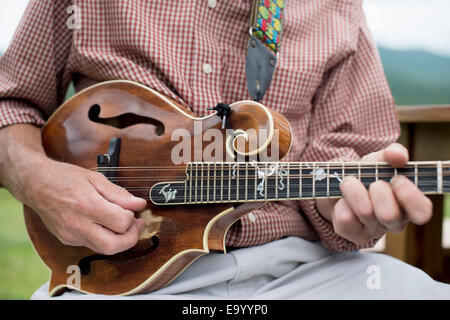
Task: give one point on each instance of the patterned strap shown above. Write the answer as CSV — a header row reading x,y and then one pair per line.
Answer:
x,y
266,22
263,46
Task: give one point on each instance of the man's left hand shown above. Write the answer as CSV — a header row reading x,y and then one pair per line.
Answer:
x,y
362,215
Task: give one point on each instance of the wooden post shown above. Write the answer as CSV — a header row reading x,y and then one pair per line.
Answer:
x,y
426,134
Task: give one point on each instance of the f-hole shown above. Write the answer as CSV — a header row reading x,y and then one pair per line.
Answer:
x,y
143,248
124,120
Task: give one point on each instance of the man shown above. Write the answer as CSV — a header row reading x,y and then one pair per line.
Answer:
x,y
329,83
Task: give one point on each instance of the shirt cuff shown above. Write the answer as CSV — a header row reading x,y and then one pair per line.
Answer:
x,y
14,111
324,228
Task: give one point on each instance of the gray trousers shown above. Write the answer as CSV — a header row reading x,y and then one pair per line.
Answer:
x,y
291,268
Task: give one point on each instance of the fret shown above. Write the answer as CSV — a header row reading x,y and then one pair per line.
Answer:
x,y
218,182
446,177
256,181
221,183
237,166
190,183
215,182
185,191
300,175
416,178
196,182
251,182
359,171
229,182
207,184
376,171
234,191
328,179
201,183
314,180
246,181
288,177
276,183
439,177
266,180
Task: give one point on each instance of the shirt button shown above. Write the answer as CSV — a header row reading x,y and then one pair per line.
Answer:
x,y
212,3
251,217
207,68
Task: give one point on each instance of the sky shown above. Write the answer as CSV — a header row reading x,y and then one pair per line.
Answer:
x,y
395,24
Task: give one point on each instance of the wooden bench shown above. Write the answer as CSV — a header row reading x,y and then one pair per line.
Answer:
x,y
426,134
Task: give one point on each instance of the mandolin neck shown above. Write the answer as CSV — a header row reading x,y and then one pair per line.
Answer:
x,y
214,182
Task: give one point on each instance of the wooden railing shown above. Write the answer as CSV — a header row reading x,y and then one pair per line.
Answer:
x,y
426,134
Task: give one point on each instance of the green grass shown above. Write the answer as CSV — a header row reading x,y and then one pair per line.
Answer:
x,y
21,269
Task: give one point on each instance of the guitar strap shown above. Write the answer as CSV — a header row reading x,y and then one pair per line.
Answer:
x,y
265,30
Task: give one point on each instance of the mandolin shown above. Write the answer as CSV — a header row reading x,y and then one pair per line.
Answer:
x,y
199,175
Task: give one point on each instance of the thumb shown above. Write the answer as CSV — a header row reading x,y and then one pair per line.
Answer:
x,y
140,224
117,194
395,154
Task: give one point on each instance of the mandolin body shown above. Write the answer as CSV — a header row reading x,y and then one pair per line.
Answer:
x,y
144,120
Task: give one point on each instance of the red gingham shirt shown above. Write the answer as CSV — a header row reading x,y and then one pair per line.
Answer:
x,y
328,82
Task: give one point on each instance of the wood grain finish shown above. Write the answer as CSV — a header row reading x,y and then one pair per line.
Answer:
x,y
419,114
183,233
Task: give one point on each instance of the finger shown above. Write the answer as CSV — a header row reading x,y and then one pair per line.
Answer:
x,y
395,154
346,224
357,197
107,242
112,216
417,206
385,206
116,194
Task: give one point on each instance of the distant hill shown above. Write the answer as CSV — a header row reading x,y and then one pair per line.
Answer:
x,y
417,77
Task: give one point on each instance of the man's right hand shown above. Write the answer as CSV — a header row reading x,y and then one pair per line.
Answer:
x,y
80,207
83,208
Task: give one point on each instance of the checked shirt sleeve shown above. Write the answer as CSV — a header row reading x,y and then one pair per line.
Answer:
x,y
32,70
353,115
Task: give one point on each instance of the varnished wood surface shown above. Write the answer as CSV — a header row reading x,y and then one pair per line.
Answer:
x,y
418,114
70,136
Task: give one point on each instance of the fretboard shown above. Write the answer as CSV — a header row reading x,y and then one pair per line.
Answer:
x,y
210,182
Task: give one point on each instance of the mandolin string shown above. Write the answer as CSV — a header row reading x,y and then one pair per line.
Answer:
x,y
284,165
424,184
251,172
251,178
253,168
294,175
